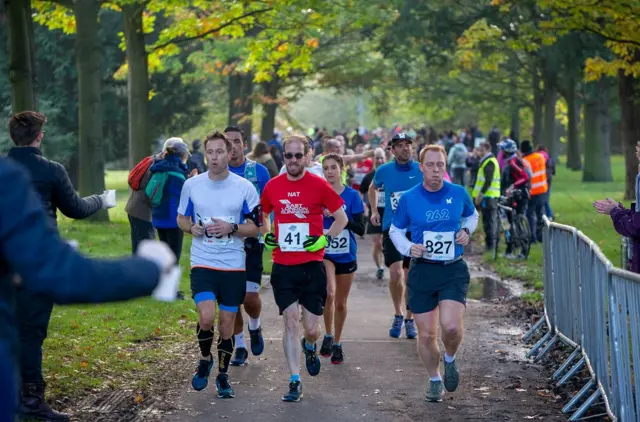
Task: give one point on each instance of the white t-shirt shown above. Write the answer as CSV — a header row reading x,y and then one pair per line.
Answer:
x,y
229,200
316,168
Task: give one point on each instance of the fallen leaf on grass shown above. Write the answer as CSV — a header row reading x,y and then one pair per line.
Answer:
x,y
139,398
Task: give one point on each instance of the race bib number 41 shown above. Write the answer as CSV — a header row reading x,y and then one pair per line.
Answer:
x,y
394,197
292,236
440,245
211,240
339,244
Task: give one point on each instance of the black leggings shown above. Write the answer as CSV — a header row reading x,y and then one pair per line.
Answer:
x,y
173,238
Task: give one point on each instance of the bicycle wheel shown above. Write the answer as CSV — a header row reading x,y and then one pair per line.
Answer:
x,y
524,235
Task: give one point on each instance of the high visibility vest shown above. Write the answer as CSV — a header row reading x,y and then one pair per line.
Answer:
x,y
539,169
494,187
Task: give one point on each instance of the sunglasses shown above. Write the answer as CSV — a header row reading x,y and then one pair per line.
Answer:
x,y
290,155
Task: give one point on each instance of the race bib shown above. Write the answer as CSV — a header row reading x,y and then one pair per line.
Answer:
x,y
358,178
339,244
394,197
381,199
291,236
440,245
211,240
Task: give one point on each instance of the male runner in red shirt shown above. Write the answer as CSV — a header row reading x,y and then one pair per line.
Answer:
x,y
298,199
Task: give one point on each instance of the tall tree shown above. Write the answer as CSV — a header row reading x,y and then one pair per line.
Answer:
x,y
597,132
21,62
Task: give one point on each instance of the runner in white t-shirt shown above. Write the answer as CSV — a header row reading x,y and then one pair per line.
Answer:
x,y
220,209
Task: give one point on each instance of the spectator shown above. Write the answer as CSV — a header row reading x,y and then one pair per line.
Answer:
x,y
473,164
275,149
196,161
261,154
538,191
551,171
494,139
457,162
486,193
168,174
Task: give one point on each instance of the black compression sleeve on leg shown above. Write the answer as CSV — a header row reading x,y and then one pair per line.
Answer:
x,y
205,340
225,350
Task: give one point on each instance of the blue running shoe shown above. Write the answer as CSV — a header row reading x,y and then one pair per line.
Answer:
x,y
240,359
200,379
410,329
311,359
451,376
224,388
396,328
295,392
257,342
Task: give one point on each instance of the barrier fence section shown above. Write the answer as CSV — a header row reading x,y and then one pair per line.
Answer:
x,y
593,308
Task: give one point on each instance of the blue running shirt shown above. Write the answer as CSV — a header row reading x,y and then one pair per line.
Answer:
x,y
434,218
343,248
396,179
262,174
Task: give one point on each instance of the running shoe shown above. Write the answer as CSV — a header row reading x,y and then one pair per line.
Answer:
x,y
200,379
240,359
337,357
224,388
380,274
435,392
257,342
410,329
311,359
396,328
451,376
295,392
325,350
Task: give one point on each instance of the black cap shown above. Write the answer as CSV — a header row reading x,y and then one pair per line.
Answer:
x,y
399,137
526,147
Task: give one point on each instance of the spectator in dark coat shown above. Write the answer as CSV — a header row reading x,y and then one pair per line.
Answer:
x,y
33,258
56,191
261,154
196,161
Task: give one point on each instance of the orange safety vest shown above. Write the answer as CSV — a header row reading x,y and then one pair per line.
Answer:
x,y
539,169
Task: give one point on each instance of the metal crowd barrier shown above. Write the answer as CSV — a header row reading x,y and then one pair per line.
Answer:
x,y
593,308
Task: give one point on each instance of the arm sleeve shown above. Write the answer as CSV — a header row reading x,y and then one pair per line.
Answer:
x,y
47,265
399,238
488,177
67,200
358,223
469,214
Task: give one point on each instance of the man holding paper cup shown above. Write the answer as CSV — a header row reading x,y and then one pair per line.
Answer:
x,y
56,191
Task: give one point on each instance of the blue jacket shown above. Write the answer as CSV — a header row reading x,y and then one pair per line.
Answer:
x,y
166,215
34,257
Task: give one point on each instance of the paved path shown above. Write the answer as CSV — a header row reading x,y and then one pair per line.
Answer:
x,y
382,379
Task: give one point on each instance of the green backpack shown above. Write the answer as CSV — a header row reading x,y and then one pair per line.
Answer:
x,y
155,187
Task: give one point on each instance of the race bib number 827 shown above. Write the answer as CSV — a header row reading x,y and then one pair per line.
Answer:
x,y
440,245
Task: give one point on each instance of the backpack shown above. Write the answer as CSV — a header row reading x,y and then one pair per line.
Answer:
x,y
138,172
155,187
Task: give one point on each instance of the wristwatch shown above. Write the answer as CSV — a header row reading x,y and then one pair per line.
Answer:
x,y
467,230
234,228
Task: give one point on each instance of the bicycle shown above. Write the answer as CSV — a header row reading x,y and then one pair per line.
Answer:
x,y
515,227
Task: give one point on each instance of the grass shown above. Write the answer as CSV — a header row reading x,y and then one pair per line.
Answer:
x,y
96,347
571,201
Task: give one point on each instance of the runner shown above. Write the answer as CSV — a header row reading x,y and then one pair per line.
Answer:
x,y
362,168
298,276
312,167
396,178
440,217
340,259
258,175
372,229
219,209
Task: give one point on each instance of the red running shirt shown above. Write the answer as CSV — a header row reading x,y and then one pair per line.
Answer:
x,y
363,168
297,207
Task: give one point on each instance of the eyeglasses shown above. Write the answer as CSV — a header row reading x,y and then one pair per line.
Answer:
x,y
290,155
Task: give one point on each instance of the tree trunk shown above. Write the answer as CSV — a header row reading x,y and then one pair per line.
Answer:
x,y
91,168
138,84
21,70
246,122
574,158
537,110
515,109
597,126
241,103
269,108
550,95
629,92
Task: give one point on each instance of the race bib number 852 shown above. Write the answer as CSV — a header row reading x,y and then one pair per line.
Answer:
x,y
339,244
292,236
440,245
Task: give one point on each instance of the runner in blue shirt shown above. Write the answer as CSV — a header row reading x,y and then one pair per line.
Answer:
x,y
340,258
395,177
258,175
440,217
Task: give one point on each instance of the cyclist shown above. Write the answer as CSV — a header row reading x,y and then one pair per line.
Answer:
x,y
514,182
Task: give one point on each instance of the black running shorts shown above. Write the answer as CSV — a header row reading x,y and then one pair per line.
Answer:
x,y
303,283
391,254
343,267
253,248
225,287
428,284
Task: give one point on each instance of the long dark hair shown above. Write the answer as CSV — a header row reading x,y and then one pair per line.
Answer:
x,y
260,149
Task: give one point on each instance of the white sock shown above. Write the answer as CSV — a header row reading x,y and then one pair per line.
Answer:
x,y
448,358
436,378
254,324
240,341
